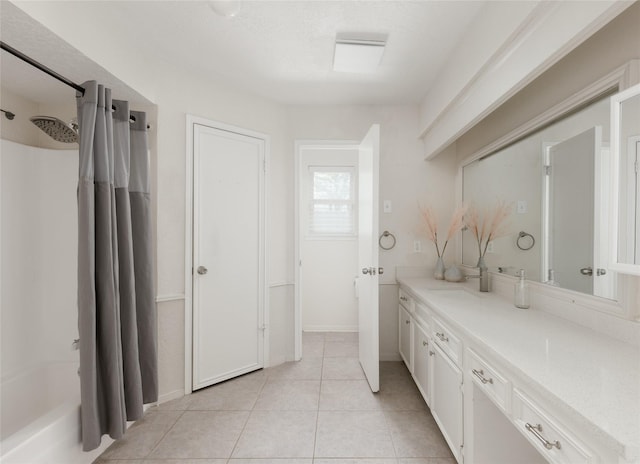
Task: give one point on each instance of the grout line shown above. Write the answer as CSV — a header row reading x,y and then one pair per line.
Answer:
x,y
165,434
250,413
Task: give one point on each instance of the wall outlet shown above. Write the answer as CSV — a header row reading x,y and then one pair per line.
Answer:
x,y
417,246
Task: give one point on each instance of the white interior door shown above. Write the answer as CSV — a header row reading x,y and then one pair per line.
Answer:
x,y
228,254
368,161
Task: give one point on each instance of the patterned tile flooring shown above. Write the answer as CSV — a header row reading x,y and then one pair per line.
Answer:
x,y
319,410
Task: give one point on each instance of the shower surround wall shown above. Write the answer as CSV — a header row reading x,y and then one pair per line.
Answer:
x,y
38,304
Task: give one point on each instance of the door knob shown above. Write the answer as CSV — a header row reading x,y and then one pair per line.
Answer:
x,y
202,270
365,270
601,272
586,271
369,270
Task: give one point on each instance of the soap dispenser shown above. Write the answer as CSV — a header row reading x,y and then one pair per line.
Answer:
x,y
521,293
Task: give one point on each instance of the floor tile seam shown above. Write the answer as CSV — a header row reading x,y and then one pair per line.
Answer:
x,y
388,427
244,426
164,435
315,435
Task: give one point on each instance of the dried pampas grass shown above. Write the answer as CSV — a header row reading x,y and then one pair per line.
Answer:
x,y
431,225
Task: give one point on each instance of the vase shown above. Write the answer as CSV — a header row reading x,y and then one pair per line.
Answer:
x,y
453,274
438,274
484,274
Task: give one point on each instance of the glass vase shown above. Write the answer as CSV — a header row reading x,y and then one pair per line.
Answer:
x,y
438,274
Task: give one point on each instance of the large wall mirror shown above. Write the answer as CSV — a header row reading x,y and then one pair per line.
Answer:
x,y
557,180
625,129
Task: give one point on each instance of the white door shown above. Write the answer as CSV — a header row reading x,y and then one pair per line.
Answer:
x,y
368,322
228,254
571,210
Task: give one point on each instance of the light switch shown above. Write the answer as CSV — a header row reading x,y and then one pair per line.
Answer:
x,y
387,206
522,206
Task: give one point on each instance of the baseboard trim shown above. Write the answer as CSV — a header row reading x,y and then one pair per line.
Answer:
x,y
174,395
330,328
390,356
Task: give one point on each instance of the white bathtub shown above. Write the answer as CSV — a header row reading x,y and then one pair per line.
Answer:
x,y
41,417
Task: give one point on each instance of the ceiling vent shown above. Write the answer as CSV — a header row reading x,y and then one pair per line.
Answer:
x,y
357,55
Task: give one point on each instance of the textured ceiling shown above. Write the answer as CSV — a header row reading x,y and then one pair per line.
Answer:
x,y
283,50
31,38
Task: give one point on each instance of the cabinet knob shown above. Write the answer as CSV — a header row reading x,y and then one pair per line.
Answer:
x,y
202,270
442,337
431,353
407,321
424,343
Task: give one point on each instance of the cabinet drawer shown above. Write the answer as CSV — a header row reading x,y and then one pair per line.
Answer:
x,y
406,301
449,343
488,379
546,434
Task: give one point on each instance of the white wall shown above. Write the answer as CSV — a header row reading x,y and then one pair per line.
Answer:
x,y
405,179
38,251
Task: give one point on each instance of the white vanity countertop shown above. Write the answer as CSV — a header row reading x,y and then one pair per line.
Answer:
x,y
593,377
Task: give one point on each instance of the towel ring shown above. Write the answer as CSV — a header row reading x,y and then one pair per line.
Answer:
x,y
522,235
385,234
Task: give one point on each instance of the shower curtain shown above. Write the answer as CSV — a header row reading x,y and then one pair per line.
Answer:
x,y
116,295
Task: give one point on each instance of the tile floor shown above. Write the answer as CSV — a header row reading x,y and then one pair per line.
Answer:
x,y
316,411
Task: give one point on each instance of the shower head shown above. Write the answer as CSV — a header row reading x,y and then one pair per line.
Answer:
x,y
58,130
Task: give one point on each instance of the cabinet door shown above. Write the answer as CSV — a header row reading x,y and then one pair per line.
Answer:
x,y
446,399
422,361
404,325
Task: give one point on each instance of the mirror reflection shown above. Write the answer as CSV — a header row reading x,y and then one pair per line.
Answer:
x,y
629,190
557,182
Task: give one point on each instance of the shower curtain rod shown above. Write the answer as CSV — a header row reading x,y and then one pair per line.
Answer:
x,y
41,67
51,72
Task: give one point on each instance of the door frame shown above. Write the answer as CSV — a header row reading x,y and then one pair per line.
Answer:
x,y
299,145
191,122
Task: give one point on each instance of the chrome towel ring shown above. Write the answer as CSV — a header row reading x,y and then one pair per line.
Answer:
x,y
521,236
386,234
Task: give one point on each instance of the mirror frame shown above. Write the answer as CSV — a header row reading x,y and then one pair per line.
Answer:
x,y
626,306
616,102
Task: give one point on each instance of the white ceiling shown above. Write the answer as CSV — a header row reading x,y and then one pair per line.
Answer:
x,y
282,50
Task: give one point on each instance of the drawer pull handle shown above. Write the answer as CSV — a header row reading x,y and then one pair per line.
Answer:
x,y
424,343
480,375
442,337
535,430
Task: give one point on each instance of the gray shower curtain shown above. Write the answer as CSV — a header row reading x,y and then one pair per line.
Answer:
x,y
116,295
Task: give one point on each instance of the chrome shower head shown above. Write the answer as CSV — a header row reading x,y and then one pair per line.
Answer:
x,y
58,130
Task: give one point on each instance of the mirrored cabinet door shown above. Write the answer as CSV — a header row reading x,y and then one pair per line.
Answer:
x,y
625,145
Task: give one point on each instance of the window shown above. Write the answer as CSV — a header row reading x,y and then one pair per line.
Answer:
x,y
332,207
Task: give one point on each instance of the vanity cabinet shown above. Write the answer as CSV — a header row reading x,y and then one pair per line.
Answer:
x,y
422,365
405,311
489,395
446,400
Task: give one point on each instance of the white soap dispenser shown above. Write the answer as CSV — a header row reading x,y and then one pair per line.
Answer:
x,y
521,293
